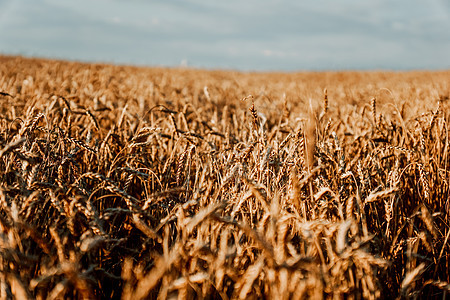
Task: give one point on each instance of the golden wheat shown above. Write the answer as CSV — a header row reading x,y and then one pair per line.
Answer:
x,y
144,183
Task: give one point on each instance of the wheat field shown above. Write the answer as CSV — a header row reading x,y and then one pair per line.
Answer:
x,y
122,182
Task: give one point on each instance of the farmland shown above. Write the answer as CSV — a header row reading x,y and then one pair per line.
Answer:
x,y
142,183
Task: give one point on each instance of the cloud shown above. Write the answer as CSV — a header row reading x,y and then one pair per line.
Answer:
x,y
254,35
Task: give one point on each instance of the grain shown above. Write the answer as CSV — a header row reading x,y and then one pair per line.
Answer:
x,y
146,183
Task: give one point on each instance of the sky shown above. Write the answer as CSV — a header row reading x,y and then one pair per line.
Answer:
x,y
252,35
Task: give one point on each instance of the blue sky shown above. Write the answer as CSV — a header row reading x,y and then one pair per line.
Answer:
x,y
244,35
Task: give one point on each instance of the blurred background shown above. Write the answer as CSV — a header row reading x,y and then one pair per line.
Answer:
x,y
253,35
